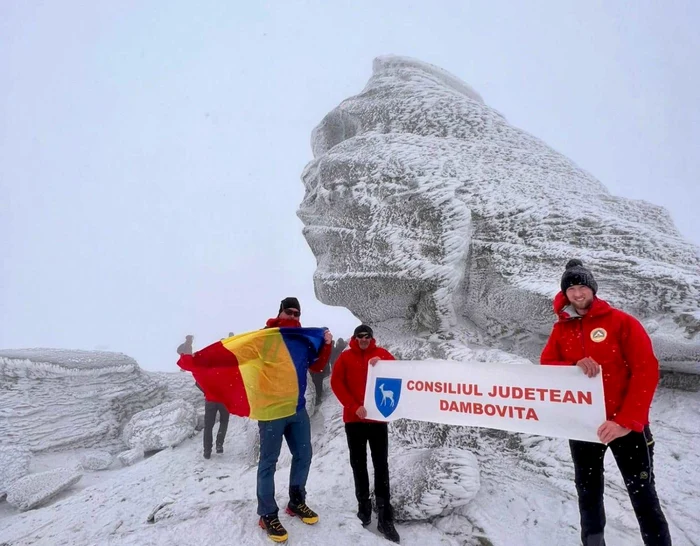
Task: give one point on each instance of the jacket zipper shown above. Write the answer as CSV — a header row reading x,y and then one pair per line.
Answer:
x,y
583,340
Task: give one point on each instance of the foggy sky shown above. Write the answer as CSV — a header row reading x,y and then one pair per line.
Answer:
x,y
150,155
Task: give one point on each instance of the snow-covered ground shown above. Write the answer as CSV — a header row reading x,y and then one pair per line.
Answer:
x,y
527,495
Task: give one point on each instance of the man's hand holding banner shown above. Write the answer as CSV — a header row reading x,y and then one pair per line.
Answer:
x,y
556,401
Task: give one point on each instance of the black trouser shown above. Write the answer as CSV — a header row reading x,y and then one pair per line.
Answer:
x,y
634,454
377,435
210,409
317,378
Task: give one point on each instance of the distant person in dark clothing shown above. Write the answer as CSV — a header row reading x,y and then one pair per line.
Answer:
x,y
339,347
186,347
211,408
318,377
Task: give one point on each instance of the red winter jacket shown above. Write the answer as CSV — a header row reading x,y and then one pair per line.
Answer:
x,y
349,377
618,342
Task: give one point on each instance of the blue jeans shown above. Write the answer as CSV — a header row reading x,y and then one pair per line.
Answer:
x,y
297,431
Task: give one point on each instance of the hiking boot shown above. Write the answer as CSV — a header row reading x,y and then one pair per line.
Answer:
x,y
219,449
364,512
207,454
303,512
385,521
274,529
386,527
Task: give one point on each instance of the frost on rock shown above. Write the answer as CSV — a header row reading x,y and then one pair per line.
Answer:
x,y
432,482
179,385
53,399
37,489
310,395
14,464
96,460
130,456
166,425
434,219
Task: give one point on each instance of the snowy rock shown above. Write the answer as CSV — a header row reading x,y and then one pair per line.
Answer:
x,y
58,399
310,395
430,214
130,456
14,464
180,385
96,460
166,425
37,489
432,482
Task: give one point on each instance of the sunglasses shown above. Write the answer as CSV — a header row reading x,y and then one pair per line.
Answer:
x,y
363,336
292,313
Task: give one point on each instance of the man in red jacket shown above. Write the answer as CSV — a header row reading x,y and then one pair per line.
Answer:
x,y
596,337
348,381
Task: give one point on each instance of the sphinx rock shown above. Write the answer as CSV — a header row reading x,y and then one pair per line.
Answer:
x,y
430,215
37,489
166,425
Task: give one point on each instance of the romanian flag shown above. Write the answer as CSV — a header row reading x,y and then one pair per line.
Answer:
x,y
260,374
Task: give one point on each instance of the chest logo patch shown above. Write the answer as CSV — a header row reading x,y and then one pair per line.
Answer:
x,y
598,335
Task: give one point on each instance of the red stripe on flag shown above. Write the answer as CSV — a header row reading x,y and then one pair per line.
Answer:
x,y
216,370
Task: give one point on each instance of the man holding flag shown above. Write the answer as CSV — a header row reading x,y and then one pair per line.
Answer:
x,y
262,375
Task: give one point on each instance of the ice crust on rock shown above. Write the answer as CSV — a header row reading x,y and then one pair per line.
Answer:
x,y
96,460
432,482
14,464
55,399
166,425
130,456
38,489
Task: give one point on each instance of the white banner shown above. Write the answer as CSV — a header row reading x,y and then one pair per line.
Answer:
x,y
558,401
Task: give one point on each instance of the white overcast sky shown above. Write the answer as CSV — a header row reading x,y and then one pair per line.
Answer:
x,y
150,152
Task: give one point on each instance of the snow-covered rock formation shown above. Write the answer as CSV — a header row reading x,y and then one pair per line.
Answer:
x,y
433,482
429,213
166,425
14,464
58,399
37,489
96,460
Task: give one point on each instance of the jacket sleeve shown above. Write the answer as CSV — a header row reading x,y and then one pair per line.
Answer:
x,y
323,356
339,386
644,376
385,355
551,356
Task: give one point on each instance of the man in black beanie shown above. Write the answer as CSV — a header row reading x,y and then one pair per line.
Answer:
x,y
593,335
296,430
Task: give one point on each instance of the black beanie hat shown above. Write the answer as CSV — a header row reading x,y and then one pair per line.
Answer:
x,y
577,274
289,303
363,328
